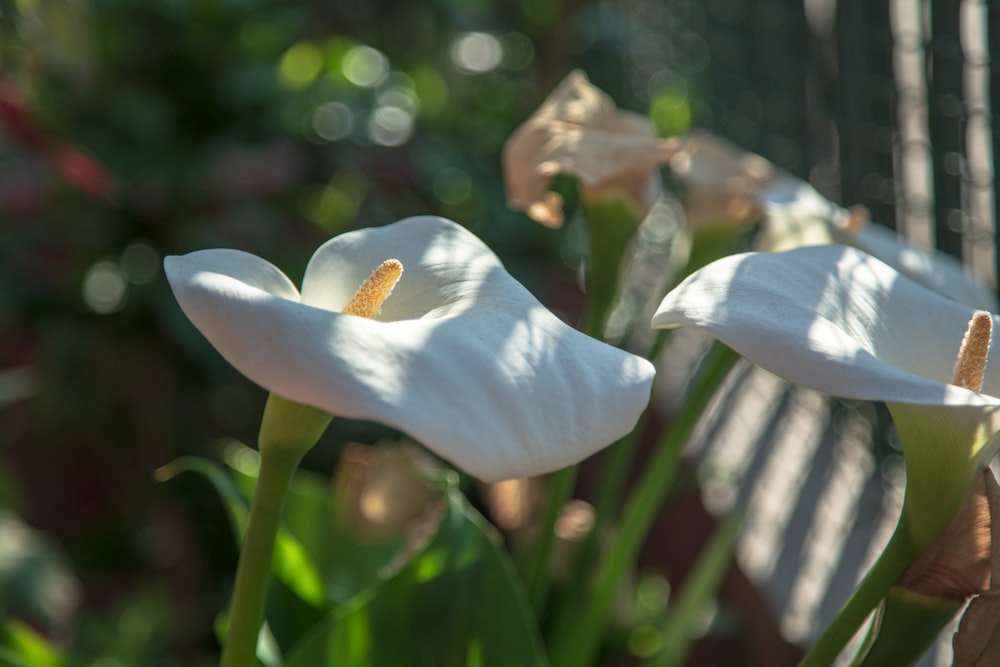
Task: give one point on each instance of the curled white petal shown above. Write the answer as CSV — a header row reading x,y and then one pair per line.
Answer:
x,y
462,357
835,319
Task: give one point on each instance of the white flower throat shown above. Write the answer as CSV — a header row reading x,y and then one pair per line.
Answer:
x,y
368,300
970,367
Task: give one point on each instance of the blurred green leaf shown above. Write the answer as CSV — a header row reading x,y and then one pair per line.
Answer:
x,y
670,110
611,224
348,565
21,646
699,590
292,564
458,602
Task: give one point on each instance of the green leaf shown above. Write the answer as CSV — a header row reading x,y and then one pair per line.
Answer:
x,y
21,646
458,602
611,223
292,564
297,598
347,566
700,588
906,626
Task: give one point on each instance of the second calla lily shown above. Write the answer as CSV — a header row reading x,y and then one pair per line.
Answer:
x,y
837,320
840,321
462,357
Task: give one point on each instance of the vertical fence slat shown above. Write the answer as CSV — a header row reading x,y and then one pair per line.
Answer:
x,y
946,124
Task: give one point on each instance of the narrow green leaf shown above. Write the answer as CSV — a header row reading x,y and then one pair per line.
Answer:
x,y
21,645
700,588
611,223
292,565
347,566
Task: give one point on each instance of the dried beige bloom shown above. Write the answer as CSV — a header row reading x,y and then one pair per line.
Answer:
x,y
578,131
722,183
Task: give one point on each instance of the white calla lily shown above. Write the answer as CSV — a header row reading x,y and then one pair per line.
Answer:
x,y
840,321
462,357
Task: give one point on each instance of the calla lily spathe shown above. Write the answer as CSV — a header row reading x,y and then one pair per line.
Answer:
x,y
840,321
462,357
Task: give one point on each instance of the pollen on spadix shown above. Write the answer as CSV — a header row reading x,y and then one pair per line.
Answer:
x,y
970,367
368,300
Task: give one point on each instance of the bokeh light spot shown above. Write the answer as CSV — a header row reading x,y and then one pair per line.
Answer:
x,y
104,287
451,186
431,89
365,67
139,263
261,39
300,66
399,92
645,641
518,51
390,126
333,121
476,52
333,207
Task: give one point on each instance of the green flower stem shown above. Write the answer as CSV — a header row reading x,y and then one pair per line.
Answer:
x,y
611,224
287,431
560,489
891,563
577,639
686,612
253,573
606,503
609,492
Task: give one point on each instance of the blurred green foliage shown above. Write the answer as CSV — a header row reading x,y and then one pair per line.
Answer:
x,y
130,130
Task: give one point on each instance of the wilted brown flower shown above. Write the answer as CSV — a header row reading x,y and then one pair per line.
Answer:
x,y
578,131
977,642
957,564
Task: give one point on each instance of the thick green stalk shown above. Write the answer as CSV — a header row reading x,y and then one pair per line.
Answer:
x,y
577,639
287,431
560,490
891,563
253,573
611,224
609,492
908,625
